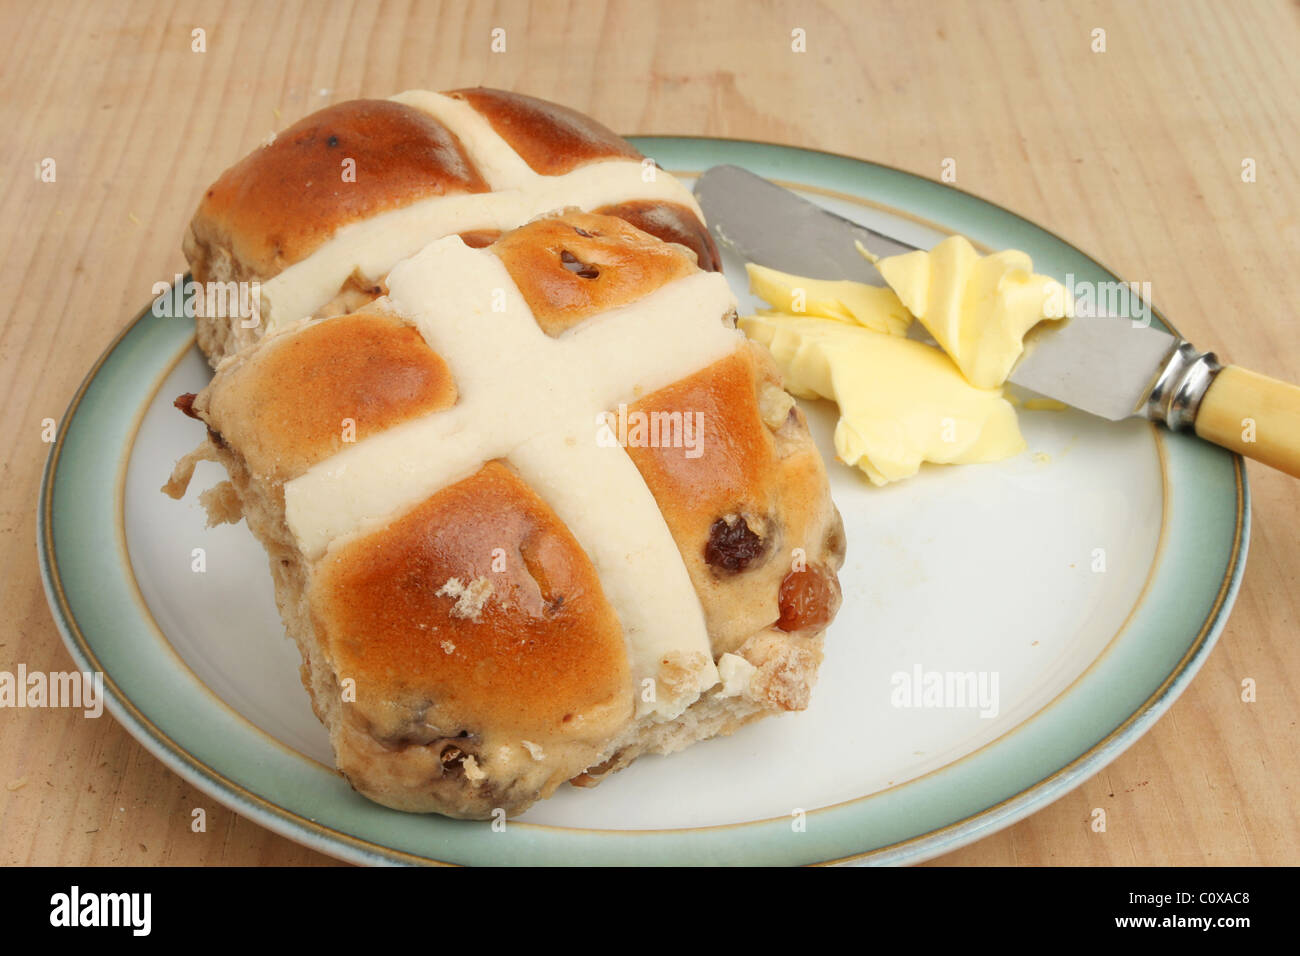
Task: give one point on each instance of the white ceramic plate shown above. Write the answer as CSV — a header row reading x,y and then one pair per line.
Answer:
x,y
1088,577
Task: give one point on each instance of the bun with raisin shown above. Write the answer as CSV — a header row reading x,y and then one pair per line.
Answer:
x,y
540,505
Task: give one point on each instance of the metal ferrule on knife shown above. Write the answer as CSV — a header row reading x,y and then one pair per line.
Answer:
x,y
1175,397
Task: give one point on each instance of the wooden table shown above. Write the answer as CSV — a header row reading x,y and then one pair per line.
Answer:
x,y
1134,154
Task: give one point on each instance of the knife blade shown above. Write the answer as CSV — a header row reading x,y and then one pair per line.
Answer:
x,y
741,208
1105,365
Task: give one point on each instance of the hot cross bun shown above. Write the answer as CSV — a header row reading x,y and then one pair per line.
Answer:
x,y
537,510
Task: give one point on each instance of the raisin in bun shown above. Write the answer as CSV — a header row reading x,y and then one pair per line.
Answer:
x,y
319,214
541,508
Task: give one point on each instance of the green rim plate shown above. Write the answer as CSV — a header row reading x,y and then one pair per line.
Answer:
x,y
106,627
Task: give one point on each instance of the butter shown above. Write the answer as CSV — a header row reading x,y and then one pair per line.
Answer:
x,y
978,308
871,306
1044,405
901,402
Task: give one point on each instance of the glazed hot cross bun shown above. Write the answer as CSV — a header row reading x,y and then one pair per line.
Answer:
x,y
319,214
539,509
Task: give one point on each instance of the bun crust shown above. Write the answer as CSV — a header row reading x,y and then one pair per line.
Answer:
x,y
569,269
671,222
295,402
279,203
535,654
550,138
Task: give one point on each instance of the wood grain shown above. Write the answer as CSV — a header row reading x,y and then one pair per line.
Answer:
x,y
1134,154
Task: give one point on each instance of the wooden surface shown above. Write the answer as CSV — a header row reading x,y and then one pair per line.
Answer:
x,y
1134,154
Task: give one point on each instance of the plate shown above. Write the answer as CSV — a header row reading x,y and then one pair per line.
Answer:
x,y
1054,605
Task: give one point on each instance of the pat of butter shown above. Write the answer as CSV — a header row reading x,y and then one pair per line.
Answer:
x,y
1044,405
874,307
901,402
978,308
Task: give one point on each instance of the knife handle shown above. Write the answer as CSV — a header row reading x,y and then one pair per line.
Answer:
x,y
1253,415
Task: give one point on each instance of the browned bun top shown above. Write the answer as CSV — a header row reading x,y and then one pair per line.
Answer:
x,y
480,238
734,470
289,405
671,222
576,265
535,649
550,138
284,199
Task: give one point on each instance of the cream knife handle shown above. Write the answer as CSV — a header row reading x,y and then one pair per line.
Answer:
x,y
1253,415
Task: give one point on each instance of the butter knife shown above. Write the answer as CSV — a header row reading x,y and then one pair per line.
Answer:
x,y
1104,365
